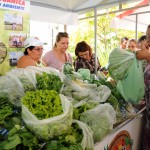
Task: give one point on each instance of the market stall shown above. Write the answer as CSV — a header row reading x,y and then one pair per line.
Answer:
x,y
83,93
71,110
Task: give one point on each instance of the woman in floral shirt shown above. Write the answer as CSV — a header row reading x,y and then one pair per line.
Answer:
x,y
85,58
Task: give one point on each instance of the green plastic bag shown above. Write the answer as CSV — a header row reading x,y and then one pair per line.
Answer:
x,y
119,63
85,73
132,86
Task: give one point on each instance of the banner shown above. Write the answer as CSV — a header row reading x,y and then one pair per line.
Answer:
x,y
15,27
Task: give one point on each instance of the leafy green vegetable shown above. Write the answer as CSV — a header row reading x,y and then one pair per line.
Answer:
x,y
79,110
6,109
46,113
70,73
67,68
49,82
115,99
20,138
70,141
43,103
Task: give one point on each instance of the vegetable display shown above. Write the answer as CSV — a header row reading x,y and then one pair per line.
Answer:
x,y
41,109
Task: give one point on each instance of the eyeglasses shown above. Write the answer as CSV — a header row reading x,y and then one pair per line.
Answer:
x,y
38,49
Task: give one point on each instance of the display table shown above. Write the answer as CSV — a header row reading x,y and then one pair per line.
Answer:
x,y
126,136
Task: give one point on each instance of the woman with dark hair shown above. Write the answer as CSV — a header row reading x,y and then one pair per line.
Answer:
x,y
123,42
32,54
57,57
85,58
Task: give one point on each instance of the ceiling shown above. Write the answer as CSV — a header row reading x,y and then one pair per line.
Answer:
x,y
128,22
78,5
67,11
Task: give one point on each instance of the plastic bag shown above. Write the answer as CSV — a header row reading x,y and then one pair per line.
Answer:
x,y
101,94
100,119
80,90
132,87
40,70
119,62
12,88
27,77
87,142
85,73
51,127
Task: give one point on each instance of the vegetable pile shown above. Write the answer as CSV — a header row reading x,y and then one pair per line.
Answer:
x,y
55,111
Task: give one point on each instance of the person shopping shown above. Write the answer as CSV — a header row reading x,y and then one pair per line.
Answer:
x,y
145,54
32,54
85,58
132,45
123,42
58,56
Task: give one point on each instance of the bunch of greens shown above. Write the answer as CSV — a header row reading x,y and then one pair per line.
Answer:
x,y
115,99
6,109
28,85
43,103
67,68
70,141
79,110
49,81
20,139
69,72
46,113
13,134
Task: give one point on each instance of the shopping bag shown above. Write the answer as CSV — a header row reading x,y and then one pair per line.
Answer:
x,y
132,86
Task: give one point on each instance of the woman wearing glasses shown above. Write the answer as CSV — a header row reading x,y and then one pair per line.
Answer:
x,y
32,54
58,56
85,57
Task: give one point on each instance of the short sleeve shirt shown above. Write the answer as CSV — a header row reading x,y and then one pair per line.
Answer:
x,y
52,61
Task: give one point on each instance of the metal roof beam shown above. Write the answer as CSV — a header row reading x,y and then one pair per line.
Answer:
x,y
100,5
49,6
